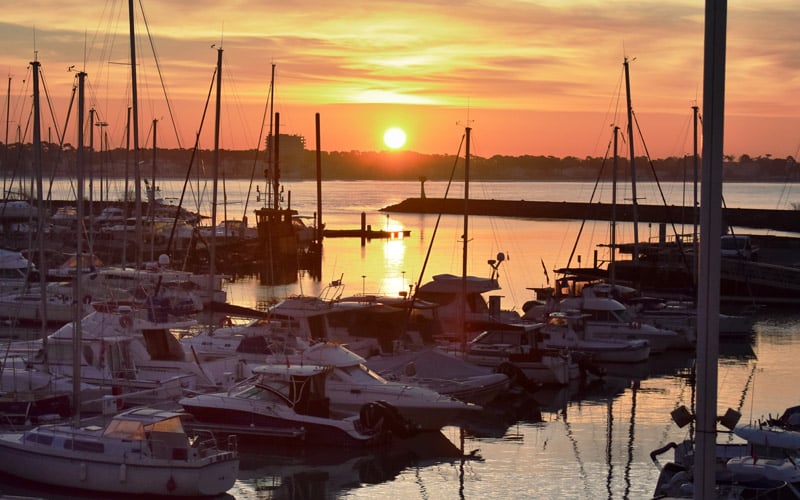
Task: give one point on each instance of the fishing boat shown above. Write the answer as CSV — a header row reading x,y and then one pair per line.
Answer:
x,y
143,451
288,402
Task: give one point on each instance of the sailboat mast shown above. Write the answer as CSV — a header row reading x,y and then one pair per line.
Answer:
x,y
696,179
463,313
612,267
136,167
711,229
37,166
213,250
77,352
634,201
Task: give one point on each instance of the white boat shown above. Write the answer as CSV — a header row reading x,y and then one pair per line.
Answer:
x,y
610,319
350,385
29,306
447,290
142,451
513,350
187,292
566,330
132,356
289,325
14,271
774,449
281,402
444,373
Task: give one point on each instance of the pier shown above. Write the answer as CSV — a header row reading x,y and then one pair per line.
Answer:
x,y
778,220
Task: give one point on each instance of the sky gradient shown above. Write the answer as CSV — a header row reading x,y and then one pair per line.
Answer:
x,y
538,77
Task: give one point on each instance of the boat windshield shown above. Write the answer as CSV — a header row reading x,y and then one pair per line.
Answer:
x,y
260,393
360,373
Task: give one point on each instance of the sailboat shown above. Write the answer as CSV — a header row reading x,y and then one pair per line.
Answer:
x,y
142,451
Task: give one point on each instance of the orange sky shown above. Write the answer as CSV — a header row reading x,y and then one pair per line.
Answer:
x,y
541,77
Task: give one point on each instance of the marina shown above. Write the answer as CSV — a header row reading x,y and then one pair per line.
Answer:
x,y
587,439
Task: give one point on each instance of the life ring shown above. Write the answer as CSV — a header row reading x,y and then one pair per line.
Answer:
x,y
636,325
125,321
225,321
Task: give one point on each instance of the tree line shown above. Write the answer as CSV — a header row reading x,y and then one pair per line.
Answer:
x,y
299,163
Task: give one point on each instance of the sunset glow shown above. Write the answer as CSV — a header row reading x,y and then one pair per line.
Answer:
x,y
530,78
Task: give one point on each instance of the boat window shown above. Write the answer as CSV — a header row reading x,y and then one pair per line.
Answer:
x,y
39,438
91,446
124,429
362,373
259,393
173,425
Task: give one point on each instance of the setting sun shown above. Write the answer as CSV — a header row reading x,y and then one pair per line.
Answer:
x,y
394,138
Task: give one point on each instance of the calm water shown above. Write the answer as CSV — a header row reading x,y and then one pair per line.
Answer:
x,y
578,442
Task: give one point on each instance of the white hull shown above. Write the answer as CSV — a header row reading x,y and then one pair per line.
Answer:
x,y
79,470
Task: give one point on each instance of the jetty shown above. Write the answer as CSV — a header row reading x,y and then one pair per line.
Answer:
x,y
778,220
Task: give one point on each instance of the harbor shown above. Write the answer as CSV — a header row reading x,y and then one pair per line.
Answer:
x,y
604,429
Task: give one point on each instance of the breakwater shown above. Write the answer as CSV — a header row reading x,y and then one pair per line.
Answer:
x,y
778,220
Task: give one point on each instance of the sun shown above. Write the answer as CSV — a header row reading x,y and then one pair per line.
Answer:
x,y
394,138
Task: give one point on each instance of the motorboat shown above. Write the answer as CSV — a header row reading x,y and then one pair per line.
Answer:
x,y
133,353
610,319
350,385
288,326
514,351
447,290
15,270
773,449
143,451
53,306
566,330
289,402
442,372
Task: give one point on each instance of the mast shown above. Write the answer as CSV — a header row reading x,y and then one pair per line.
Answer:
x,y
37,172
212,253
634,201
612,267
695,215
77,352
463,310
136,167
711,229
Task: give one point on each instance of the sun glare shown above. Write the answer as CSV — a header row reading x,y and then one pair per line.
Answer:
x,y
394,138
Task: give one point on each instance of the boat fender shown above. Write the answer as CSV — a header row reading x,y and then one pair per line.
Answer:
x,y
82,472
87,299
514,374
123,473
636,324
171,484
382,416
125,321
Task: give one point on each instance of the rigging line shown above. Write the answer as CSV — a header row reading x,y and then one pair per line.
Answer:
x,y
661,193
438,219
191,162
49,103
160,76
258,149
591,199
72,188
